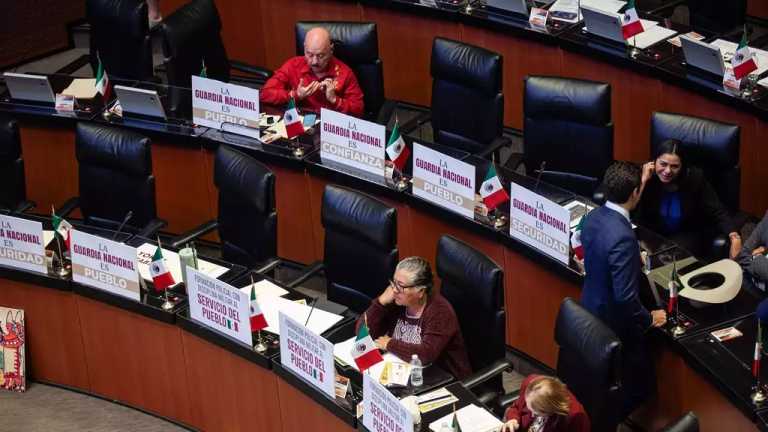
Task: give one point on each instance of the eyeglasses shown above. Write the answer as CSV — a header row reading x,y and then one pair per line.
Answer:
x,y
398,287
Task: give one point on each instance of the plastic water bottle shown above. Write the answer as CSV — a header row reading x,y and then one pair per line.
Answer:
x,y
417,379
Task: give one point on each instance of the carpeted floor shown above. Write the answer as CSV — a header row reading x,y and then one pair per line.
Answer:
x,y
46,408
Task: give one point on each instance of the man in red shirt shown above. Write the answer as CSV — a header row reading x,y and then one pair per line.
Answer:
x,y
317,80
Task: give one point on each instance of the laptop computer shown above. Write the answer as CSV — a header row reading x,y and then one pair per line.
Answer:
x,y
140,102
507,6
602,23
27,87
703,56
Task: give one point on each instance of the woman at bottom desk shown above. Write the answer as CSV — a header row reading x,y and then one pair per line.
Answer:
x,y
545,405
409,318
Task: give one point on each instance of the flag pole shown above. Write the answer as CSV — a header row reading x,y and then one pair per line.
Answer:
x,y
167,304
260,346
678,330
62,272
758,395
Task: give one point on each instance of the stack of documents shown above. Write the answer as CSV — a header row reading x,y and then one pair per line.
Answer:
x,y
435,399
391,371
272,305
471,418
144,257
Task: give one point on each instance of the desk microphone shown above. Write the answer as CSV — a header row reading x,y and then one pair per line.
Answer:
x,y
538,177
314,301
127,217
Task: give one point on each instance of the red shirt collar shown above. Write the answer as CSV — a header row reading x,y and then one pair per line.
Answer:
x,y
333,70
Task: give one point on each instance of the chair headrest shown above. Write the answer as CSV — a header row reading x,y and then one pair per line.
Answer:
x,y
577,330
196,19
469,65
359,215
117,149
568,99
10,144
239,174
708,144
353,42
127,16
462,265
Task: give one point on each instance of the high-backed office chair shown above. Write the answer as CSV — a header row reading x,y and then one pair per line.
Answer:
x,y
474,285
357,45
360,251
717,16
120,37
589,363
192,36
567,126
13,192
711,146
247,220
687,423
115,170
467,102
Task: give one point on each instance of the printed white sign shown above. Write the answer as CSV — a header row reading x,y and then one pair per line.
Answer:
x,y
539,222
382,411
219,306
21,244
351,141
104,264
443,180
307,355
215,103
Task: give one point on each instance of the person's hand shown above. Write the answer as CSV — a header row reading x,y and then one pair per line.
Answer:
x,y
388,296
382,342
658,317
579,264
303,92
510,426
759,251
648,169
330,89
735,244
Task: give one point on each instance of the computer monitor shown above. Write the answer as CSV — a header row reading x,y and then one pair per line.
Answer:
x,y
27,87
602,23
702,55
140,102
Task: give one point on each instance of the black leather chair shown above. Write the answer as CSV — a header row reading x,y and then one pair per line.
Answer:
x,y
247,220
589,363
474,285
717,16
192,35
120,36
567,125
712,146
360,251
115,170
686,423
13,192
357,45
467,102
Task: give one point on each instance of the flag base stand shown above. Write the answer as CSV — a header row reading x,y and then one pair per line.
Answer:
x,y
298,152
260,346
678,330
759,395
168,305
401,184
62,271
499,222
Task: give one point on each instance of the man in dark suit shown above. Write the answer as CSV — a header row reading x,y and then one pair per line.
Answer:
x,y
613,271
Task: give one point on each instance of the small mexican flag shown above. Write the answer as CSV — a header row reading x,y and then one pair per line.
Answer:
x,y
102,82
578,247
630,22
758,350
203,70
674,285
455,423
491,190
397,151
364,351
743,61
293,126
161,276
61,227
258,321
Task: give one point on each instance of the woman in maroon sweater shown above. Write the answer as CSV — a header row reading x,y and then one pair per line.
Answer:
x,y
545,405
407,318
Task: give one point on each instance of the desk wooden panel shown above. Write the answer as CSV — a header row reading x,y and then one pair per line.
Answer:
x,y
135,360
295,230
50,165
227,392
757,8
299,412
54,346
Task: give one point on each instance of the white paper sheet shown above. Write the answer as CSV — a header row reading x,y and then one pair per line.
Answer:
x,y
471,418
264,288
319,322
145,252
81,88
652,35
343,352
47,237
